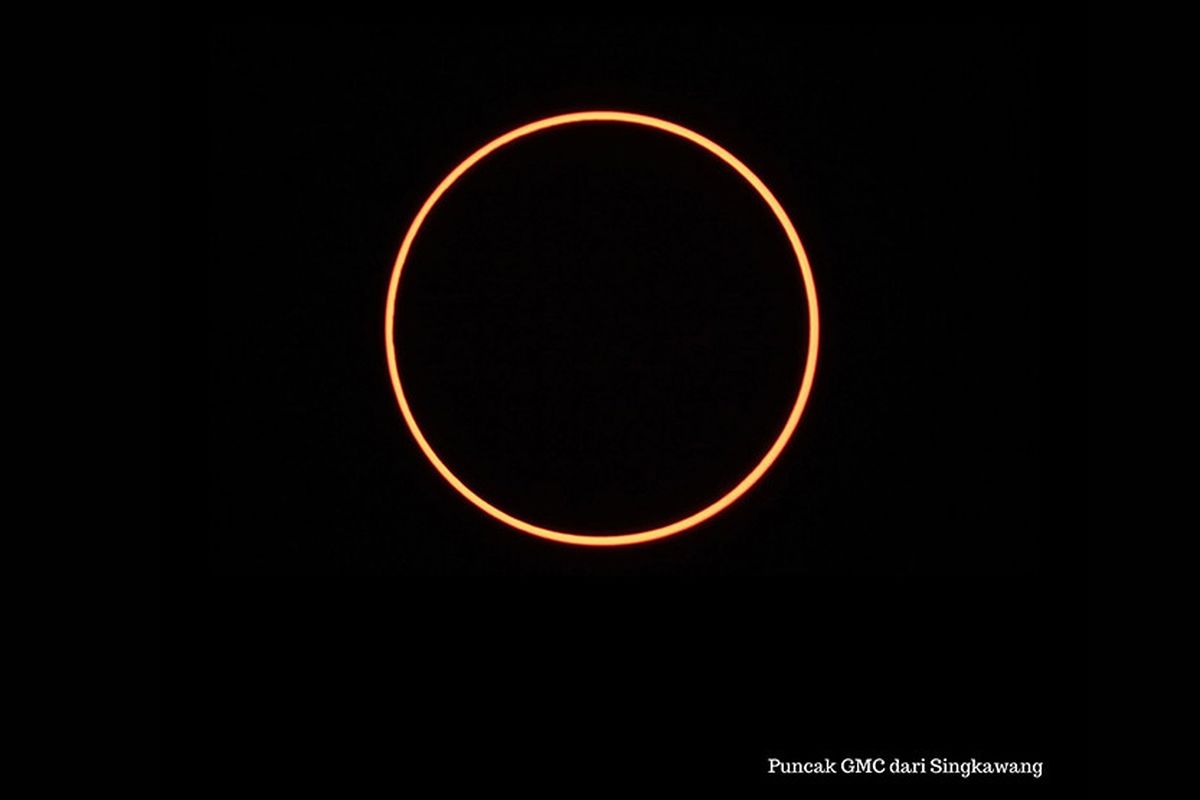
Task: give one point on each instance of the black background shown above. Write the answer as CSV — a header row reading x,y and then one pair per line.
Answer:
x,y
602,330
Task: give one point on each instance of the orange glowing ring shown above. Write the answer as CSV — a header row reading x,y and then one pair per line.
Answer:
x,y
805,384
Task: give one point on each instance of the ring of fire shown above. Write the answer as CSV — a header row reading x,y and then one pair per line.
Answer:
x,y
801,397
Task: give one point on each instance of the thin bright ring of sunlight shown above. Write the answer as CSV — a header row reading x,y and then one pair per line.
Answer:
x,y
806,382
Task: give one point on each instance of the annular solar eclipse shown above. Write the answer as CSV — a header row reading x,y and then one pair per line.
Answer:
x,y
802,393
